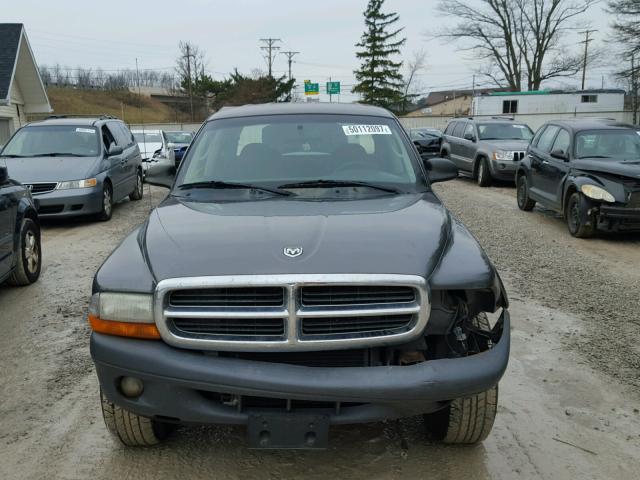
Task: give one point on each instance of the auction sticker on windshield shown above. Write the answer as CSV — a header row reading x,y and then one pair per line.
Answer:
x,y
366,130
85,130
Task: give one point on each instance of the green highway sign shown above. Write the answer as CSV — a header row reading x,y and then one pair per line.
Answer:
x,y
333,88
311,88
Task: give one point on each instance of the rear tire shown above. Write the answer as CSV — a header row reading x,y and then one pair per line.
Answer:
x,y
131,429
138,191
484,174
107,203
29,254
574,216
522,192
465,420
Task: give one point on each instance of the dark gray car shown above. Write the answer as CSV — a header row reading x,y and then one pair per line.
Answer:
x,y
486,149
301,273
76,166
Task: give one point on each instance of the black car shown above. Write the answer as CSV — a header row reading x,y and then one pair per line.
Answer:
x,y
301,273
20,253
586,169
426,140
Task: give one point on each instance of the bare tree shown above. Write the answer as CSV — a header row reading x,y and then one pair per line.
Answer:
x,y
191,61
415,65
521,40
627,23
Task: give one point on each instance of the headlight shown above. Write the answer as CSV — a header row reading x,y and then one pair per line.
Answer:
x,y
597,193
89,182
502,155
123,314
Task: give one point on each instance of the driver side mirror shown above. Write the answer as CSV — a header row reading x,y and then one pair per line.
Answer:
x,y
114,150
560,154
4,175
440,169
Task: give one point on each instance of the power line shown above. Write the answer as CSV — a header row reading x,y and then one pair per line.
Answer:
x,y
290,56
271,49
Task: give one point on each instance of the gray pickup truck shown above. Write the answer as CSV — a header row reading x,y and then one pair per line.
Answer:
x,y
301,273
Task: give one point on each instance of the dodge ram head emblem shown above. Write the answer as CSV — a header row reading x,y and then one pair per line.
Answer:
x,y
293,251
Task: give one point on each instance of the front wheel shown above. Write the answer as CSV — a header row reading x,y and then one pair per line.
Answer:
x,y
29,255
466,420
579,222
131,429
524,201
484,175
107,203
138,191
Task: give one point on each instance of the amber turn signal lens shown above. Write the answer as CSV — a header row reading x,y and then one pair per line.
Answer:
x,y
124,329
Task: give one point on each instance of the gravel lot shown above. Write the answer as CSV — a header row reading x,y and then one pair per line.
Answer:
x,y
568,407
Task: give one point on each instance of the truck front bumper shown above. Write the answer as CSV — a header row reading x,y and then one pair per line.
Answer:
x,y
190,387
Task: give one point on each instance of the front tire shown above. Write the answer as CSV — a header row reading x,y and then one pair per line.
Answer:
x,y
484,174
131,429
138,191
575,217
29,253
107,203
522,191
466,420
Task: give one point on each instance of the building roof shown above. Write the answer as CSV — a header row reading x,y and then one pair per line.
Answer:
x,y
17,64
10,34
435,98
558,92
301,109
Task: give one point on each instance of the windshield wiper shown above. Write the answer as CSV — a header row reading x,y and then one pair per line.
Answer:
x,y
58,154
6,155
337,183
594,156
214,184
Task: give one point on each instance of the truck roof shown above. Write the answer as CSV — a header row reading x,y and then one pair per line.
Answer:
x,y
300,108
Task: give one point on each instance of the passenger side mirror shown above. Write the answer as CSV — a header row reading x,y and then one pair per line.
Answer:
x,y
440,169
470,136
4,175
560,154
114,150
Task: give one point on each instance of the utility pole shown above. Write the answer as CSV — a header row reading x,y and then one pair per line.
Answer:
x,y
188,55
271,49
586,46
290,56
634,89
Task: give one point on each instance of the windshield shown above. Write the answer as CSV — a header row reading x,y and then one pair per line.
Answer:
x,y
179,137
291,149
614,144
54,140
504,131
147,137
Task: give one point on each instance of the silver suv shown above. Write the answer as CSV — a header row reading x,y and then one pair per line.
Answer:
x,y
486,149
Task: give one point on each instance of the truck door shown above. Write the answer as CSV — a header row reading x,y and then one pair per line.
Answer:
x,y
554,171
539,156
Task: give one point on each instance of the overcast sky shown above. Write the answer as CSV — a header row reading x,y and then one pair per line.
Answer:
x,y
111,35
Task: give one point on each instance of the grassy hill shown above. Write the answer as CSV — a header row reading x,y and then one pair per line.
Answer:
x,y
130,107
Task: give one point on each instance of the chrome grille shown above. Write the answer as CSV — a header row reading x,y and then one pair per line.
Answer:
x,y
42,187
291,312
355,295
517,156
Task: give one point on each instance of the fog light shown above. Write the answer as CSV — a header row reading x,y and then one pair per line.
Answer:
x,y
131,387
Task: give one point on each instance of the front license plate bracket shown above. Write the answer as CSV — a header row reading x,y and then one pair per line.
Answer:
x,y
288,430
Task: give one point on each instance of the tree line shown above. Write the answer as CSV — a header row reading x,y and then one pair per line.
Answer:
x,y
79,77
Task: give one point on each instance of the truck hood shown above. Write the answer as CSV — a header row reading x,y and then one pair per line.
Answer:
x,y
404,234
508,145
49,169
629,169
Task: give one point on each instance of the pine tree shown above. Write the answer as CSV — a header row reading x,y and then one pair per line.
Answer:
x,y
379,79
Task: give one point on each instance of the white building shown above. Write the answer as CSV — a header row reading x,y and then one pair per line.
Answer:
x,y
21,88
549,102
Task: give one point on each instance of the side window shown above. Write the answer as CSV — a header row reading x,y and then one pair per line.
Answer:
x,y
450,127
563,140
127,135
457,132
546,139
469,130
107,138
536,137
118,134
